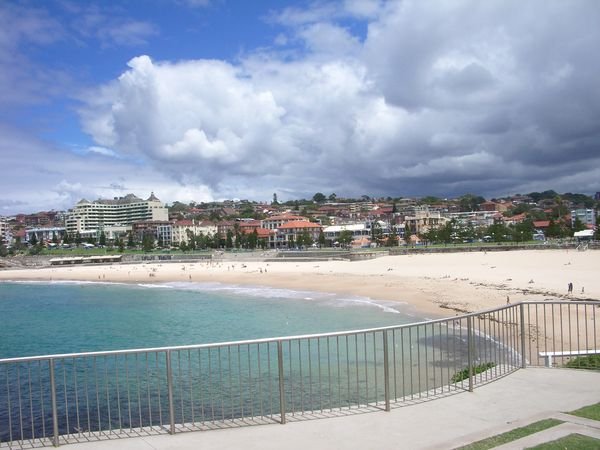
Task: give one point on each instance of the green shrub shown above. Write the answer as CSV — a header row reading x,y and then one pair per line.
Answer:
x,y
585,362
464,374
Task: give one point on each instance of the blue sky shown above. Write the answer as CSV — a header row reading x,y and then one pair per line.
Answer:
x,y
201,100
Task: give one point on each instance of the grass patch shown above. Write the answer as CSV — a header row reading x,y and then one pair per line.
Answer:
x,y
588,412
591,362
572,442
464,374
512,435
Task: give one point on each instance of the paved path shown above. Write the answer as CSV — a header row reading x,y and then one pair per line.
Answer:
x,y
513,401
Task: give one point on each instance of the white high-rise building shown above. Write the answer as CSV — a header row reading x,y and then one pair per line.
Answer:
x,y
90,218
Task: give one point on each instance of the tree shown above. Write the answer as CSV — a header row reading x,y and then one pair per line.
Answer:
x,y
321,238
392,239
191,239
34,240
78,238
121,245
291,243
319,197
332,197
148,242
54,238
66,239
253,239
346,238
130,240
578,225
307,239
274,202
407,233
229,239
102,239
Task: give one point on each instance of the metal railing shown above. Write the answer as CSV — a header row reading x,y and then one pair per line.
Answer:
x,y
57,399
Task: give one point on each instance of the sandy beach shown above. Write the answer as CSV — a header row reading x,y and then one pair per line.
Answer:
x,y
436,285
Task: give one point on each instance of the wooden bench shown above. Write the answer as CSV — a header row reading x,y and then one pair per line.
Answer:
x,y
549,355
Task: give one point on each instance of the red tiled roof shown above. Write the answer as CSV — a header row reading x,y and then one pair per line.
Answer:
x,y
541,223
300,224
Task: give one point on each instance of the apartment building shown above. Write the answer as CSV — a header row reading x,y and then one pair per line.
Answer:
x,y
5,236
90,218
586,216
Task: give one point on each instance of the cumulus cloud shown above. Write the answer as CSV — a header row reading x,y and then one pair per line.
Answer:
x,y
441,98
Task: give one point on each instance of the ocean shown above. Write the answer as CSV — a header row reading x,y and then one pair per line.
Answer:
x,y
41,318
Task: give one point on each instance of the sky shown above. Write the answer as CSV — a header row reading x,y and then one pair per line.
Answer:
x,y
202,100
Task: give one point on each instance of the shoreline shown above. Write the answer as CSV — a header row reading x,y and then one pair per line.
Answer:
x,y
435,285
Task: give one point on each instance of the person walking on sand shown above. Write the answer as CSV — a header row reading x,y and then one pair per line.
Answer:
x,y
570,286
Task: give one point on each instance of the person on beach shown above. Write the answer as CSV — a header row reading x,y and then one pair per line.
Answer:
x,y
570,288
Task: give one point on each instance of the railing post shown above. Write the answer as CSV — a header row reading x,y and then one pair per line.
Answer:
x,y
470,350
54,407
170,393
281,386
386,371
522,314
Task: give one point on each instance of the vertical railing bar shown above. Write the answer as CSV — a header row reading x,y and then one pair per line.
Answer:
x,y
470,350
441,356
148,391
410,356
357,369
31,401
348,370
8,403
545,329
54,405
402,361
107,394
118,391
570,330
281,382
529,331
522,319
395,363
76,396
375,370
366,370
20,402
586,326
169,369
230,381
43,403
250,383
339,373
201,386
158,389
426,362
138,384
210,384
97,385
240,379
433,357
310,395
419,361
553,329
386,371
87,395
221,384
319,378
270,380
260,396
291,383
191,384
64,367
180,383
128,392
577,322
329,372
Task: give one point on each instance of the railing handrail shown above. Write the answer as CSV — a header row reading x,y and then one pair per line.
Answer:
x,y
280,338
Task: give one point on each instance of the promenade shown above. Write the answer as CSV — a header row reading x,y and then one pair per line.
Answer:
x,y
518,399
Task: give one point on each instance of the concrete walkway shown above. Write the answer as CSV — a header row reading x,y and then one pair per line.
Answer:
x,y
513,401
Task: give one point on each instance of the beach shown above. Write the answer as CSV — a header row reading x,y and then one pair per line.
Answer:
x,y
436,285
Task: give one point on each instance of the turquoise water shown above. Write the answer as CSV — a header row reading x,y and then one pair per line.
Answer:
x,y
62,317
